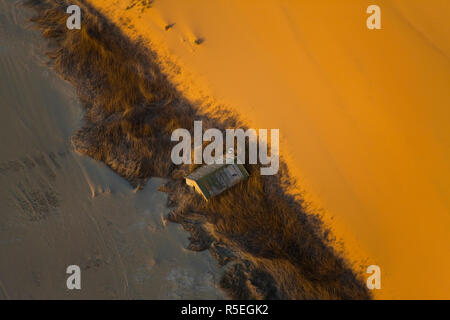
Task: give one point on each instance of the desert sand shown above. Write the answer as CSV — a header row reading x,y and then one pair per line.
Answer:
x,y
58,208
363,114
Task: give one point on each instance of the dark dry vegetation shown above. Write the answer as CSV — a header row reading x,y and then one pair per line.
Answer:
x,y
144,4
269,247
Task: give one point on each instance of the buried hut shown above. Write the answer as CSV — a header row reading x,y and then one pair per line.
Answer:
x,y
210,180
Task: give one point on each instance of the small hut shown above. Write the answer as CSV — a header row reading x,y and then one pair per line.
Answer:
x,y
210,180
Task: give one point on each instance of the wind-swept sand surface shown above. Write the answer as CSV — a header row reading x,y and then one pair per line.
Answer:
x,y
363,115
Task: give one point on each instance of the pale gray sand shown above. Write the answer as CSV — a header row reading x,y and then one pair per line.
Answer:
x,y
58,208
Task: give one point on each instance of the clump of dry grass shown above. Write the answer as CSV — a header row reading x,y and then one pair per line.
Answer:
x,y
270,246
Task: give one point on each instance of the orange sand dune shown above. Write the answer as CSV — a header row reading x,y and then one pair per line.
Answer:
x,y
363,114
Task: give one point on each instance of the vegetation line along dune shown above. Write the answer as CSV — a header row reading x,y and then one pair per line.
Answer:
x,y
269,246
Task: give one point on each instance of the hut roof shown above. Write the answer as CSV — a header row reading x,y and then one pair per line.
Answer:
x,y
216,178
